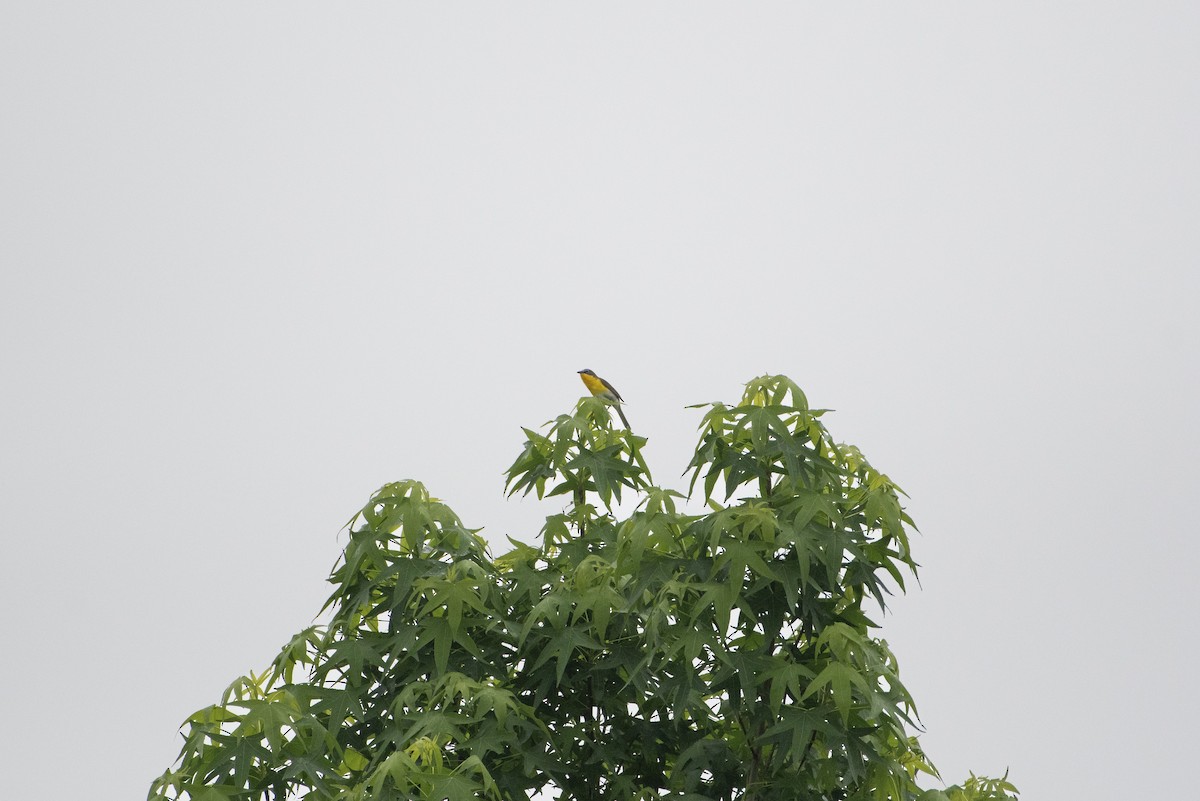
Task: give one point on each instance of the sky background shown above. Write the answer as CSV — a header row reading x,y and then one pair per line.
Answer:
x,y
257,260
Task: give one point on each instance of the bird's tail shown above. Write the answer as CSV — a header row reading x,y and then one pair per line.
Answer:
x,y
622,414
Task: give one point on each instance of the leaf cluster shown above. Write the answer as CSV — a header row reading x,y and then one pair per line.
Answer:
x,y
669,654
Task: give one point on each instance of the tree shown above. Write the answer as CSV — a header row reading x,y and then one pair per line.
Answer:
x,y
724,655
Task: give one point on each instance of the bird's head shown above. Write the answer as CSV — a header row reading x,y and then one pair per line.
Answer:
x,y
586,372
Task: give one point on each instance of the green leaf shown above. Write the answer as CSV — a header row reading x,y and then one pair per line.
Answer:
x,y
840,679
354,760
212,793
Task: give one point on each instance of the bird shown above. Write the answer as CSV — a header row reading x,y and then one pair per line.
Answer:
x,y
602,389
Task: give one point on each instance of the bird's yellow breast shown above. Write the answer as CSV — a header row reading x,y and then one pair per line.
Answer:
x,y
594,384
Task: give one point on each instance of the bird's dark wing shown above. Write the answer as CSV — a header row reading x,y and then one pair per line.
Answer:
x,y
611,389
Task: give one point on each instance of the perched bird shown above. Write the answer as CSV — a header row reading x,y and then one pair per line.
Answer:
x,y
602,389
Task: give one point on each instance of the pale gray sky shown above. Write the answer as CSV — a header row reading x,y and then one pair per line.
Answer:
x,y
258,259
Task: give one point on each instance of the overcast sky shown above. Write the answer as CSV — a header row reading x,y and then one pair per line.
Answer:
x,y
258,259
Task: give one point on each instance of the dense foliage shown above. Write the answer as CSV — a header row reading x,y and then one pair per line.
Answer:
x,y
724,655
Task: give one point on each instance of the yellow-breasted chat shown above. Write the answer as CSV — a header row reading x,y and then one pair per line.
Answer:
x,y
602,389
